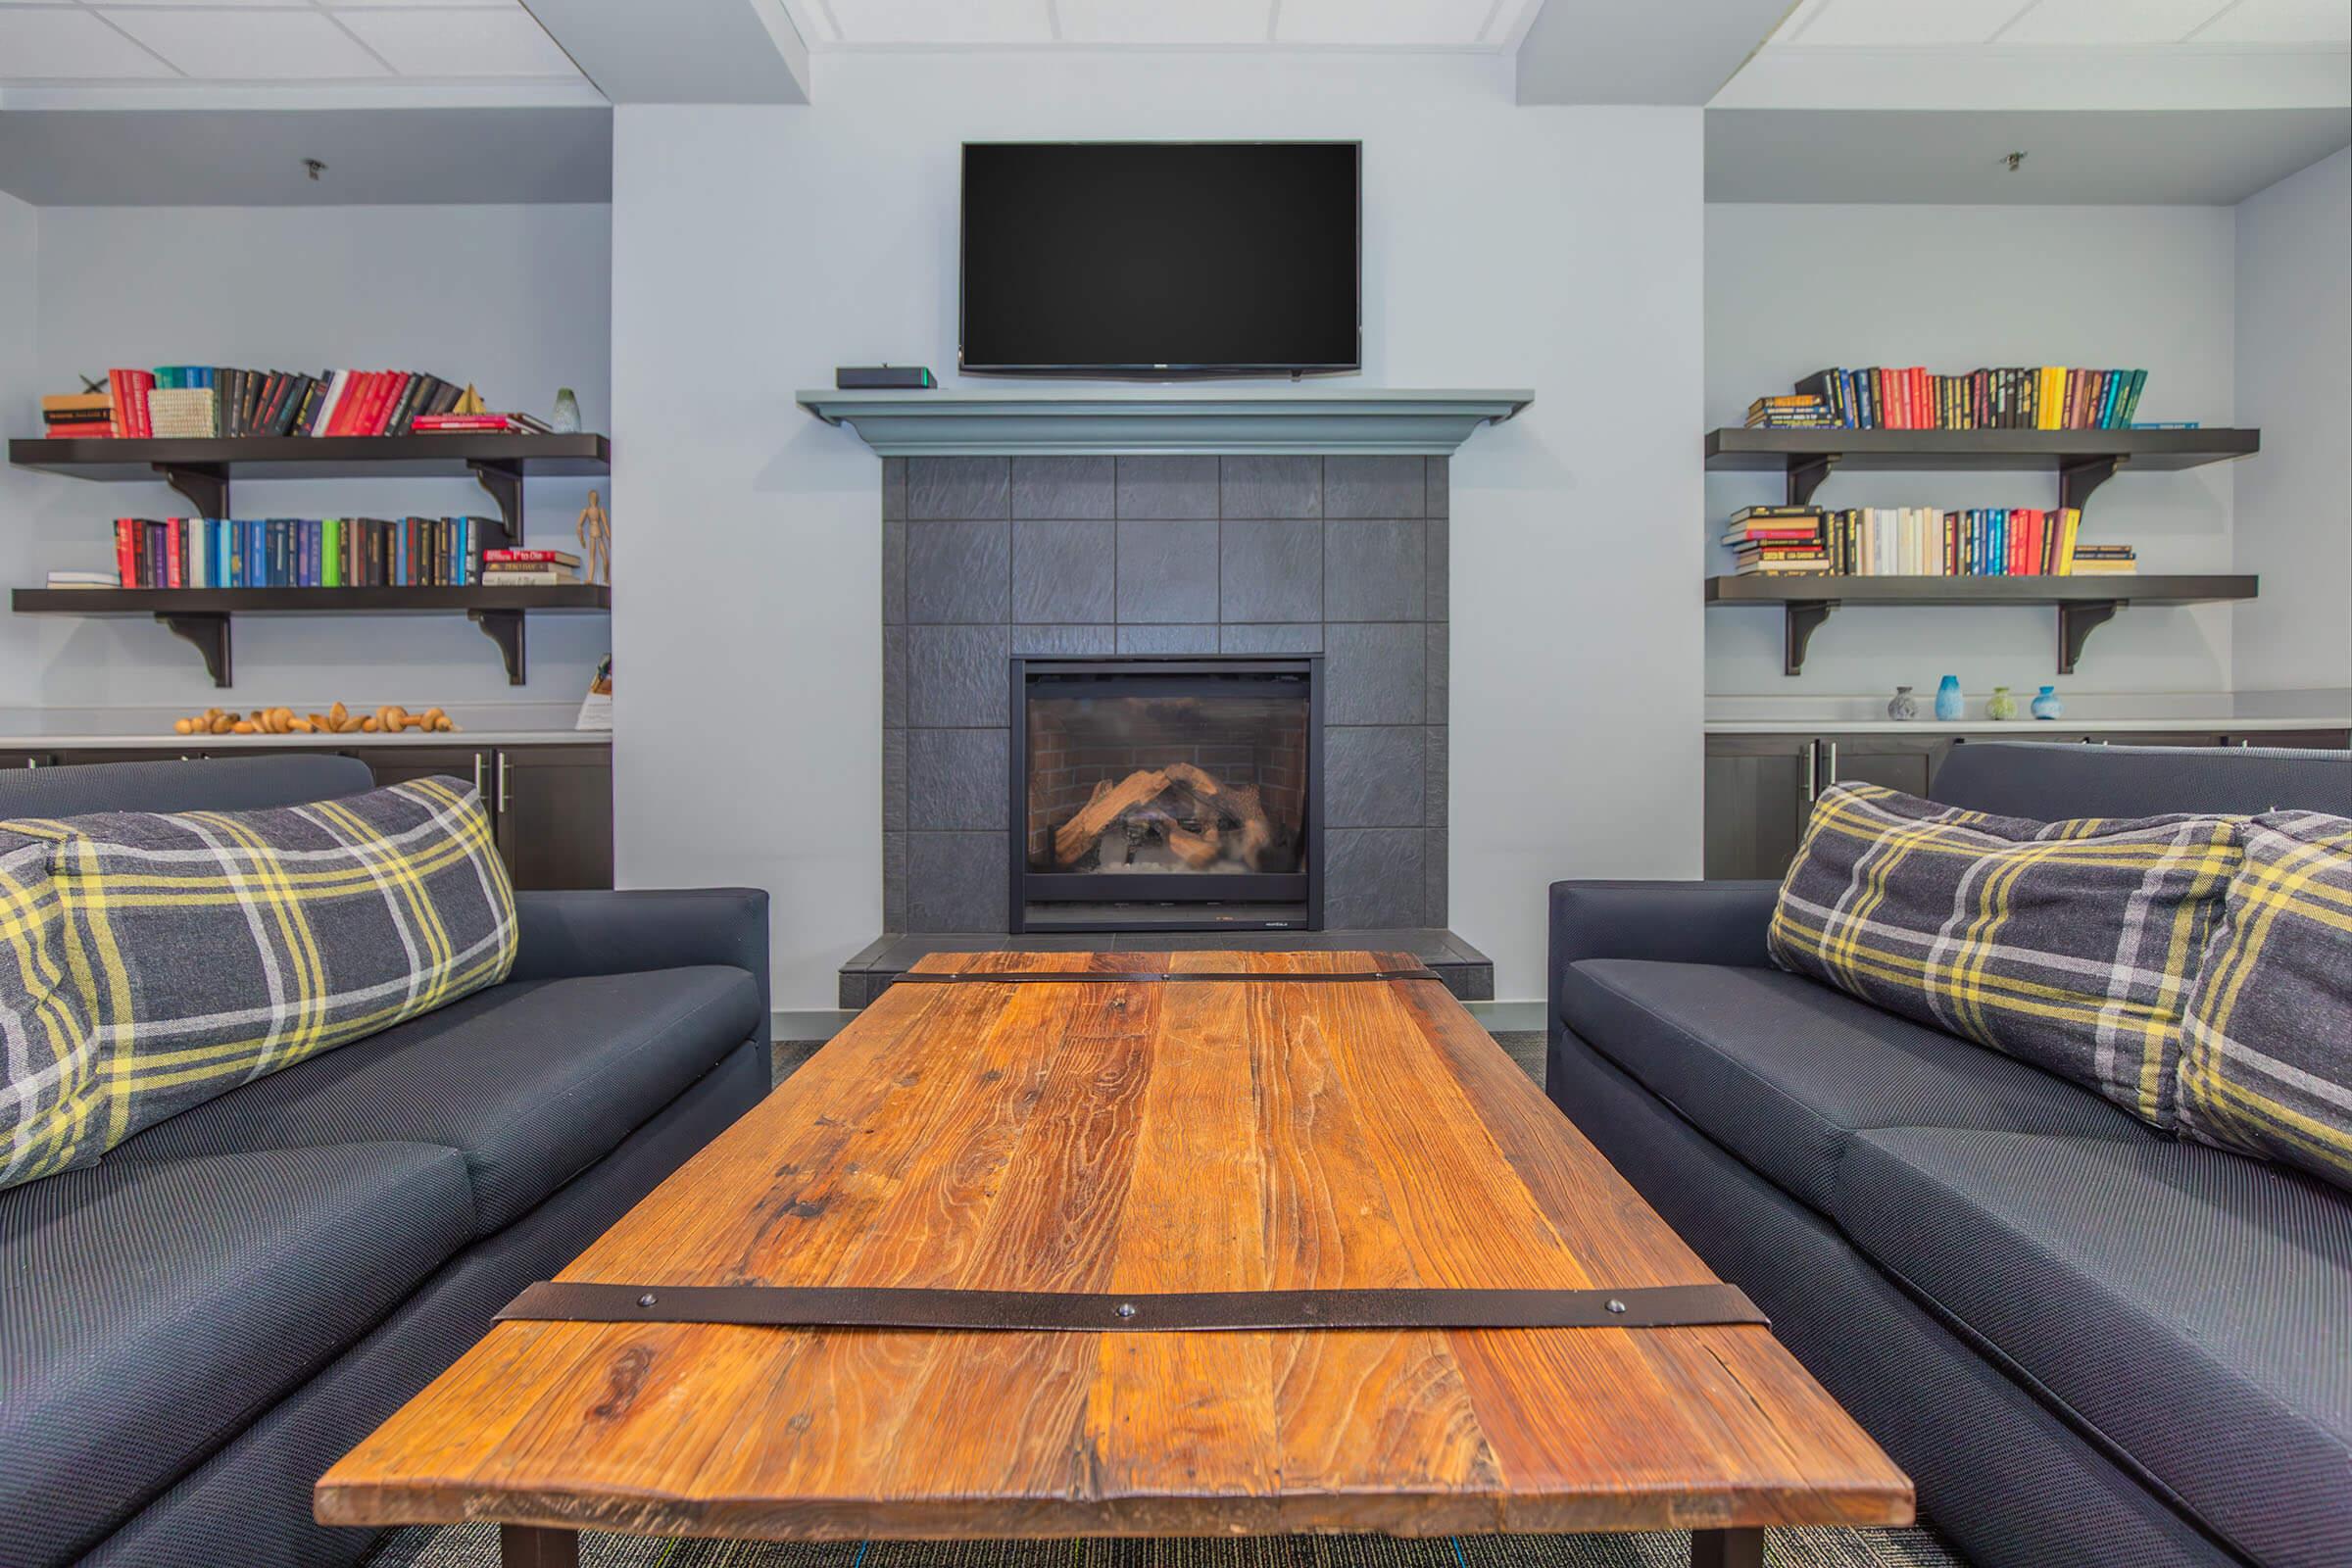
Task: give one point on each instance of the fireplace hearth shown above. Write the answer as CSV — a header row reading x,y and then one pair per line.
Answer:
x,y
1172,794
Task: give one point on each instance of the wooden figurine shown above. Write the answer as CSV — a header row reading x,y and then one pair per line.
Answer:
x,y
596,539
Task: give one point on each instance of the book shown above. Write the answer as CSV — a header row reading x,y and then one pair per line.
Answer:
x,y
560,558
1991,398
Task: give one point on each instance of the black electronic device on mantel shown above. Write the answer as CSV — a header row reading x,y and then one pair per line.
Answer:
x,y
882,378
1160,259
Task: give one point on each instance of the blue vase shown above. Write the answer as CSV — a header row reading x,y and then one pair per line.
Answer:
x,y
2046,705
1949,706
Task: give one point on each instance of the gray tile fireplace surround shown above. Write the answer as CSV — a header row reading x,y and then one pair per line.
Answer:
x,y
985,558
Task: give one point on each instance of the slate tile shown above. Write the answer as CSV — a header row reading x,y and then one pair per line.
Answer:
x,y
1437,790
1270,487
1434,889
1261,638
1064,642
1438,553
959,487
1167,487
893,570
1064,488
893,489
1270,570
1374,777
1064,571
1437,709
959,572
894,881
1167,639
1167,571
1375,674
1441,486
1372,879
958,675
1374,570
1374,487
894,676
955,882
894,780
957,778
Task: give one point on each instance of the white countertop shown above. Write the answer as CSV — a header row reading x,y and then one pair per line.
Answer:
x,y
34,729
2020,728
222,743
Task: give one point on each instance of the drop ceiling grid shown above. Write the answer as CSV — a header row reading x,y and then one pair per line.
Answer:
x,y
1490,27
281,42
2027,24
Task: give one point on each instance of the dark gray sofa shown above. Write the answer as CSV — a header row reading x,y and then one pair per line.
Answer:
x,y
2088,1343
194,1329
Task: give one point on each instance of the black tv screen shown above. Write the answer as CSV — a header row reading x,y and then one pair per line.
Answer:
x,y
1160,258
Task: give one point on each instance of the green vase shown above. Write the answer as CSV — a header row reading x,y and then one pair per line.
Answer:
x,y
2000,705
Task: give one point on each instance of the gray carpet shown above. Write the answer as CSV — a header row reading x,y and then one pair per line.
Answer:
x,y
476,1546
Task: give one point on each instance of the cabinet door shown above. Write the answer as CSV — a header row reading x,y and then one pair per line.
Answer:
x,y
553,808
1892,761
25,760
398,765
1760,790
2316,740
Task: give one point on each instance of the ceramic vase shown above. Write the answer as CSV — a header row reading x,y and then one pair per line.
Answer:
x,y
2001,705
1902,707
1948,702
566,421
2046,704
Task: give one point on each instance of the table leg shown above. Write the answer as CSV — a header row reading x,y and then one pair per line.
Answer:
x,y
1727,1548
531,1546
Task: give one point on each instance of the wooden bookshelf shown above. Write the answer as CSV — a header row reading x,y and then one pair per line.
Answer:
x,y
2083,602
2082,460
201,468
203,616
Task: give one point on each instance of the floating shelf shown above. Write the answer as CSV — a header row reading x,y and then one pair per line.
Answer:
x,y
2083,602
202,616
201,468
2082,460
908,424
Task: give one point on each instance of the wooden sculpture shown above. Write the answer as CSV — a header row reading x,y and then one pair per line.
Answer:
x,y
596,539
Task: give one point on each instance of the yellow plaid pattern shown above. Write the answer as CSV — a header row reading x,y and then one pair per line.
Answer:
x,y
49,1100
213,948
2266,1065
2069,945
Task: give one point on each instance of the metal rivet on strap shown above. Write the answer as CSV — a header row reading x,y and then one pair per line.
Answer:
x,y
647,1300
1615,1305
1126,1309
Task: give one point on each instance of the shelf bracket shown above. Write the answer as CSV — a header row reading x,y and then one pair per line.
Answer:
x,y
1799,619
205,484
505,628
2079,478
1805,475
504,481
2076,622
209,631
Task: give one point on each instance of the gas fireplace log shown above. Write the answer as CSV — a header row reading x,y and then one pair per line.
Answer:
x,y
1199,851
1094,818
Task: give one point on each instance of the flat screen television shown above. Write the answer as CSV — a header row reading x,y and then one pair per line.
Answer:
x,y
1161,259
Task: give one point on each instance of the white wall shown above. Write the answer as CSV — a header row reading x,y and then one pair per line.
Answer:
x,y
515,298
754,249
20,548
1791,289
2295,381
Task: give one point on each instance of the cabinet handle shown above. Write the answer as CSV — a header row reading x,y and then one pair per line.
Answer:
x,y
1833,770
502,783
477,775
1811,792
31,762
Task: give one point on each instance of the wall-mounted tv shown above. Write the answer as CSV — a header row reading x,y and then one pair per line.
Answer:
x,y
1161,259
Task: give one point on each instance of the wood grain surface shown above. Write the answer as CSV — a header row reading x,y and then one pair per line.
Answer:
x,y
1249,1135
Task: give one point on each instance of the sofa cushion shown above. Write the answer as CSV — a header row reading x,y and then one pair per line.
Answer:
x,y
50,1092
2070,945
2192,1307
1783,1071
2266,1063
215,948
533,1081
149,1311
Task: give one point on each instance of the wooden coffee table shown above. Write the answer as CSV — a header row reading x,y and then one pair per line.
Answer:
x,y
1278,1130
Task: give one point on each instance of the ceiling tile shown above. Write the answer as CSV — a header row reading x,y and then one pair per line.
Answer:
x,y
408,5
461,43
280,5
58,45
941,22
1176,21
1902,24
249,45
1390,23
2110,21
2282,21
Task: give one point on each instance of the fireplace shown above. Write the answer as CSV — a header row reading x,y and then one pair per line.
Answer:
x,y
1167,793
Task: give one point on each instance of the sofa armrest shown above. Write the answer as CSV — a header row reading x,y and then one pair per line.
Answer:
x,y
568,934
1674,922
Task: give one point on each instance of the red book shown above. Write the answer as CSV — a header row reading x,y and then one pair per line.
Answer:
x,y
141,383
127,552
355,395
174,566
363,405
1923,407
559,558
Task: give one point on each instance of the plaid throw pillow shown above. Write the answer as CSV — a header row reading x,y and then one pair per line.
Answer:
x,y
49,1099
2069,945
2266,1068
213,947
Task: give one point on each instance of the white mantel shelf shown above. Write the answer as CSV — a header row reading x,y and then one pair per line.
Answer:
x,y
926,424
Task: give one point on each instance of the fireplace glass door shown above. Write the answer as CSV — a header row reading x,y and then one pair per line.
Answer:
x,y
1166,795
